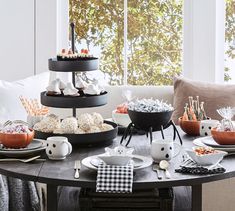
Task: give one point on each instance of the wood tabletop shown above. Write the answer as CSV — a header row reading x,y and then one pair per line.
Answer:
x,y
61,173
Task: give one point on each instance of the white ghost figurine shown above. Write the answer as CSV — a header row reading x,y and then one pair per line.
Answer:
x,y
92,90
70,90
81,84
54,86
62,85
100,87
119,150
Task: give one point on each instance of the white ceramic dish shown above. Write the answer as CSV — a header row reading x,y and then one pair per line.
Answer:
x,y
146,162
24,153
36,143
136,162
117,160
201,143
211,142
208,159
121,119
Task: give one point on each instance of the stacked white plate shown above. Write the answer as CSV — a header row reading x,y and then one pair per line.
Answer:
x,y
210,142
35,147
139,162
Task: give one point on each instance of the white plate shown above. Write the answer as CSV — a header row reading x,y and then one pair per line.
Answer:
x,y
36,143
136,162
209,141
23,153
146,161
200,142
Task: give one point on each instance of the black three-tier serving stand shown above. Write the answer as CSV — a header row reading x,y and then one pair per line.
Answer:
x,y
88,139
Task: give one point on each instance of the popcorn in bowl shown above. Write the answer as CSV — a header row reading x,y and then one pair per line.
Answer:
x,y
84,124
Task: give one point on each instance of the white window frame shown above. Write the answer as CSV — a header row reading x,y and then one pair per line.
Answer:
x,y
204,40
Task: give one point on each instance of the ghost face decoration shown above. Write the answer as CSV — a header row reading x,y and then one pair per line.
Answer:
x,y
206,126
58,148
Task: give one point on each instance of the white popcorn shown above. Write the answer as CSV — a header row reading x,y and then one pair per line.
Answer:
x,y
48,124
97,118
69,125
85,121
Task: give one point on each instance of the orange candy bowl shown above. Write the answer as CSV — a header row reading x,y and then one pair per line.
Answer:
x,y
190,127
223,137
16,140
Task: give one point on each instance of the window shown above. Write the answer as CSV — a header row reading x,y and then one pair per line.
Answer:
x,y
138,42
230,42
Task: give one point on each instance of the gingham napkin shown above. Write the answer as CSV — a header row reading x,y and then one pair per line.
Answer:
x,y
114,179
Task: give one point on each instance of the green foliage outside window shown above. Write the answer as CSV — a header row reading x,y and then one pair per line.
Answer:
x,y
229,34
154,37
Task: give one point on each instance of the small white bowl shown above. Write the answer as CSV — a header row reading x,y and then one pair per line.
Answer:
x,y
121,119
208,159
117,160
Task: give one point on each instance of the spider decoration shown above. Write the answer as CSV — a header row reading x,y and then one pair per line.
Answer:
x,y
149,132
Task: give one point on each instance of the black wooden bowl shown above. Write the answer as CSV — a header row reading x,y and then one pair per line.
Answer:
x,y
145,120
88,139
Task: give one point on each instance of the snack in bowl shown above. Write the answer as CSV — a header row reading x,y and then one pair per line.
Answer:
x,y
150,113
84,124
223,137
224,133
16,136
194,112
206,155
120,115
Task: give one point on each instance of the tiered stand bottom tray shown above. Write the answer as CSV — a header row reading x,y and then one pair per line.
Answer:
x,y
88,139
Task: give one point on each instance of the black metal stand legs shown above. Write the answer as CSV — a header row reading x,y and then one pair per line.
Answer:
x,y
131,127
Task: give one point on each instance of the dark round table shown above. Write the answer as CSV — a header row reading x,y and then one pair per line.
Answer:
x,y
61,173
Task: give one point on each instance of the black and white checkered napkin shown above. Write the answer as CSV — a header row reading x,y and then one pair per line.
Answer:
x,y
114,179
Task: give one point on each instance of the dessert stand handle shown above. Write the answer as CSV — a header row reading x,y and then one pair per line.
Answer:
x,y
72,36
73,49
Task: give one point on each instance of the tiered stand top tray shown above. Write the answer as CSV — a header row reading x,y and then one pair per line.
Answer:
x,y
73,66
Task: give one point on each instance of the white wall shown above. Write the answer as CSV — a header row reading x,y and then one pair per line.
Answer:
x,y
32,31
16,39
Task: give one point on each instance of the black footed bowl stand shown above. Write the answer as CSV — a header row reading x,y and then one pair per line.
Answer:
x,y
149,132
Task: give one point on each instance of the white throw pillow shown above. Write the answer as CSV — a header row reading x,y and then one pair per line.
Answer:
x,y
10,105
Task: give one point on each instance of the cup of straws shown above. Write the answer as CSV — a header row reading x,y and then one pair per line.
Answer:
x,y
34,109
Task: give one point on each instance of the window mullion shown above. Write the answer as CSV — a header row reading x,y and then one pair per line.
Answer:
x,y
125,43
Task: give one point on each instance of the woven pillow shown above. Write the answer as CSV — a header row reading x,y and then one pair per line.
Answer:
x,y
214,95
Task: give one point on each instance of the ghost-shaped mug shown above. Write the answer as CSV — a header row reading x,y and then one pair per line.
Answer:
x,y
58,147
207,125
164,150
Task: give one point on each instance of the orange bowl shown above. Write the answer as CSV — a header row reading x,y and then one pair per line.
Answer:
x,y
16,140
190,127
223,137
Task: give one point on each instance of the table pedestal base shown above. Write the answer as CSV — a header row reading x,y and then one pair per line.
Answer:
x,y
52,197
197,197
